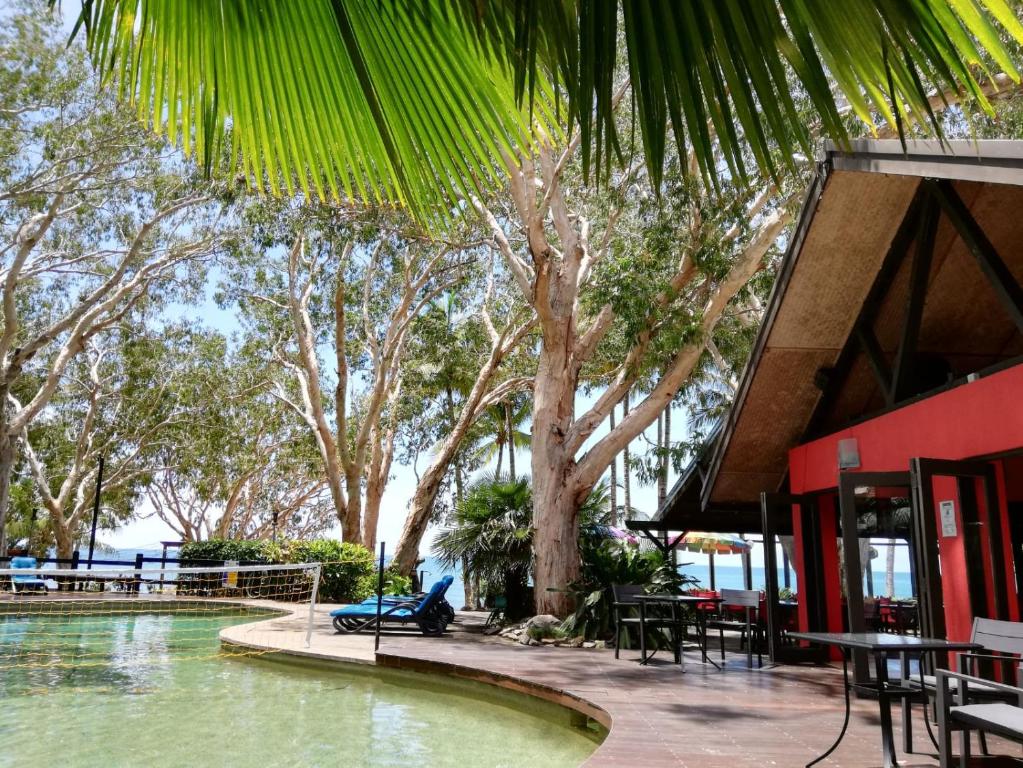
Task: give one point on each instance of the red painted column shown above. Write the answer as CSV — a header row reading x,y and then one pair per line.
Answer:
x,y
1003,514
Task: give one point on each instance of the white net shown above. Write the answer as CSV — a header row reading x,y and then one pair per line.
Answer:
x,y
53,619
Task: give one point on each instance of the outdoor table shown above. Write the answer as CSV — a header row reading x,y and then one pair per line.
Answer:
x,y
879,645
676,601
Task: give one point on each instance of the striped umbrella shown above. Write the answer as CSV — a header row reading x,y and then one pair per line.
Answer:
x,y
715,544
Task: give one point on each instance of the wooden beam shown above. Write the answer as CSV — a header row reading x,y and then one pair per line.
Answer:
x,y
869,344
918,278
897,251
998,274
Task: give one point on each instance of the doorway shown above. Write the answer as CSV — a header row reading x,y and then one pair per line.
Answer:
x,y
778,511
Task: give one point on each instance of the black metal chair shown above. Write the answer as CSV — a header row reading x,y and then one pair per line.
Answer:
x,y
749,631
629,612
626,613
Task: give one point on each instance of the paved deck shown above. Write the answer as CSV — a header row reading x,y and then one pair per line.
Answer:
x,y
657,715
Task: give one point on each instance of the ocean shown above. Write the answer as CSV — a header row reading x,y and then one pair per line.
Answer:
x,y
728,576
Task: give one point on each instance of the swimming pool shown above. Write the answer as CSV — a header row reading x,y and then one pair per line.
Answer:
x,y
154,690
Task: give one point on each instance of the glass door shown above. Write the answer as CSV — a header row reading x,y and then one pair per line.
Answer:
x,y
958,520
778,511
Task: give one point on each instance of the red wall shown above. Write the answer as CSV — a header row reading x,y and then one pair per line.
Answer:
x,y
984,417
981,418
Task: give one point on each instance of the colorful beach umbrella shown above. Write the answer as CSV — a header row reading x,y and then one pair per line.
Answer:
x,y
713,543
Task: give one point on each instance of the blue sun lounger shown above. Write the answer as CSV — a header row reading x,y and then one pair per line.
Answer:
x,y
444,606
431,612
28,581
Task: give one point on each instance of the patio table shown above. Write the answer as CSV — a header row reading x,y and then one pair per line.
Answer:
x,y
676,601
879,645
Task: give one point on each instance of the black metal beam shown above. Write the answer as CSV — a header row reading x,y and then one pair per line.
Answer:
x,y
998,274
889,267
917,295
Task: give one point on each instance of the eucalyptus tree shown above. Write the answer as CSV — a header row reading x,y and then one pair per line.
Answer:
x,y
97,219
232,463
336,297
117,402
484,363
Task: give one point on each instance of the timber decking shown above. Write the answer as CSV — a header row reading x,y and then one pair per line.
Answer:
x,y
779,716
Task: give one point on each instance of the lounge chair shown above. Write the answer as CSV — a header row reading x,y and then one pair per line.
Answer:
x,y
28,582
427,613
443,605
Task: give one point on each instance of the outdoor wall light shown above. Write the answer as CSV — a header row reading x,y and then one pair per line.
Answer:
x,y
848,453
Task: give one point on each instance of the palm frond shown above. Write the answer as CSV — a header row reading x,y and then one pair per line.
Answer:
x,y
384,102
718,70
411,102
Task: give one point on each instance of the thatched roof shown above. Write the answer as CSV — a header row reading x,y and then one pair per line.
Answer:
x,y
846,276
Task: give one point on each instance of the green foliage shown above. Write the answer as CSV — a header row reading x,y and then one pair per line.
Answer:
x,y
242,550
492,537
609,562
394,583
413,102
347,568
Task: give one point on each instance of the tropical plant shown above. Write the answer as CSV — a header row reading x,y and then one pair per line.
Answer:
x,y
604,563
492,538
414,102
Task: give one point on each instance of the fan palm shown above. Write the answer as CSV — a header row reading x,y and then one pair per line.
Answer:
x,y
413,102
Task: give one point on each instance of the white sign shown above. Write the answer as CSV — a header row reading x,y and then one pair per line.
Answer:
x,y
947,509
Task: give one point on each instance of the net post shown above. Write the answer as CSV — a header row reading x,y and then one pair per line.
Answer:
x,y
380,597
312,606
136,586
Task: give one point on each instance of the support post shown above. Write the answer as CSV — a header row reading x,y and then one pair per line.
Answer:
x,y
380,597
710,559
139,559
95,511
312,606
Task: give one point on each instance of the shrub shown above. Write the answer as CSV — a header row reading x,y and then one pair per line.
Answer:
x,y
248,550
394,583
347,568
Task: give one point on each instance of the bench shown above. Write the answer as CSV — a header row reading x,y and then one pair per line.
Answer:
x,y
955,713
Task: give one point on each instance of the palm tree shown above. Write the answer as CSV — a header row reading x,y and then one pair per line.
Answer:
x,y
492,537
502,429
413,102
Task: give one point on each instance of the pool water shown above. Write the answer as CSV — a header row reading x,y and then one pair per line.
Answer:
x,y
153,690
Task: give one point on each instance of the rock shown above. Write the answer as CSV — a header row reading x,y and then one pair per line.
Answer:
x,y
532,641
599,645
549,640
589,644
491,630
574,642
525,639
543,622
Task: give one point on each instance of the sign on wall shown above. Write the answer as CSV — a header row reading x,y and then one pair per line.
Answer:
x,y
947,512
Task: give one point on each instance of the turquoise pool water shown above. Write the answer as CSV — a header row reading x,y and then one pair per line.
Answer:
x,y
152,690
